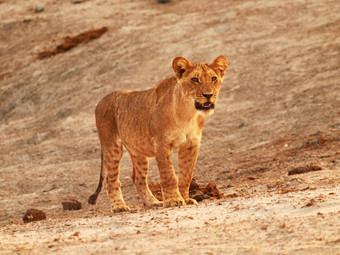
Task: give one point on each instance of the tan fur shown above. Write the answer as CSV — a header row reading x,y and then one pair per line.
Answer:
x,y
153,123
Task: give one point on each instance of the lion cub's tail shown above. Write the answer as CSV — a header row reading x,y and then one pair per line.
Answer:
x,y
93,198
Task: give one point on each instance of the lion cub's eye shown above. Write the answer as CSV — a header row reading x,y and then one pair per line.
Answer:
x,y
195,80
214,78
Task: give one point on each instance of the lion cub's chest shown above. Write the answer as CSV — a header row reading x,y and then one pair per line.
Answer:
x,y
183,134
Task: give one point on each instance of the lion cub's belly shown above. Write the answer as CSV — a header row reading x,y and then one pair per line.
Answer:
x,y
142,145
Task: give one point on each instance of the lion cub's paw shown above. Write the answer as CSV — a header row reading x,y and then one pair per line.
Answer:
x,y
154,204
121,208
173,202
191,201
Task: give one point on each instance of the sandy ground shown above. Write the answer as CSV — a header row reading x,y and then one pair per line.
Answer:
x,y
279,109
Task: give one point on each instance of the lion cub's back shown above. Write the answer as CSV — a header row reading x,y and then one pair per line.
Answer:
x,y
133,114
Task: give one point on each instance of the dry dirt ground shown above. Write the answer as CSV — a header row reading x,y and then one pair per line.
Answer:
x,y
279,109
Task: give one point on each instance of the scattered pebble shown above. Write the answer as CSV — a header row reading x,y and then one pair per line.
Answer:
x,y
241,125
39,8
71,205
34,215
197,195
194,185
163,1
310,203
206,196
304,169
195,191
283,225
264,227
231,195
212,190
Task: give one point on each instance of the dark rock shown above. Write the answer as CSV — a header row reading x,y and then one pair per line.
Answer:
x,y
194,185
241,125
304,169
197,195
163,1
34,215
212,190
71,205
39,8
231,195
206,196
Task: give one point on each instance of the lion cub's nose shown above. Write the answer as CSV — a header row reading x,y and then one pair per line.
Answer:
x,y
208,95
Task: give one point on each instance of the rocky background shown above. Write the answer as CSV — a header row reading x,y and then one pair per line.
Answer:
x,y
278,113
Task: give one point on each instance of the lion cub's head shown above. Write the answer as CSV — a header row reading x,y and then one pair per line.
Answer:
x,y
201,81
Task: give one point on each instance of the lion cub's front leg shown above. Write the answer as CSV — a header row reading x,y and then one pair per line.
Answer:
x,y
169,180
187,156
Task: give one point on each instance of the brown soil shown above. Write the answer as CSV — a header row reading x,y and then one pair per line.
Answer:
x,y
278,110
71,42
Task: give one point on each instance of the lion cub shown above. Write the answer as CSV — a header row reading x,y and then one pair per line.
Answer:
x,y
153,123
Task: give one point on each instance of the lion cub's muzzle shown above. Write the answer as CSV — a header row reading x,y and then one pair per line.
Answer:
x,y
205,106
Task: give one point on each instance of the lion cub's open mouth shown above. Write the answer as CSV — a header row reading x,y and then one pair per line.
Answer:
x,y
204,106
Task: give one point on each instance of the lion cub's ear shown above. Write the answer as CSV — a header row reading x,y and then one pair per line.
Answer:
x,y
180,65
220,64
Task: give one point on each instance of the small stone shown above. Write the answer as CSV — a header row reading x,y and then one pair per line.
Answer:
x,y
194,185
304,169
212,190
231,195
264,227
77,1
310,203
71,205
34,215
163,1
241,125
206,196
39,8
197,195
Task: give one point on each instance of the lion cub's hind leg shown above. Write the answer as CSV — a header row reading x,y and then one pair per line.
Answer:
x,y
112,149
111,162
139,178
